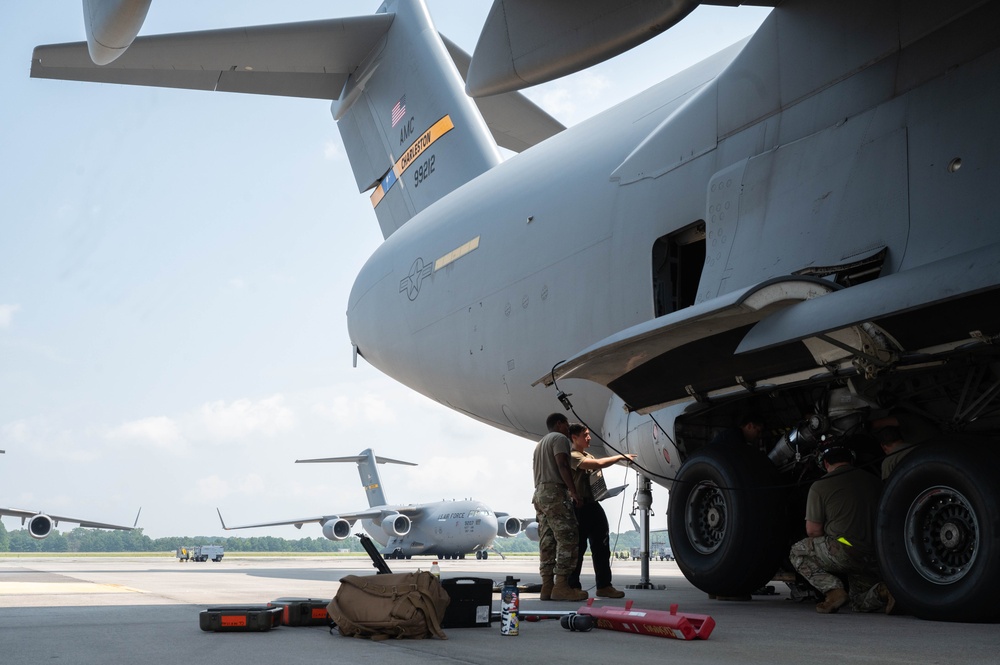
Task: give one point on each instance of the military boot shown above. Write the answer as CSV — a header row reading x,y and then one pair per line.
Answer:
x,y
609,592
835,599
546,593
561,590
888,601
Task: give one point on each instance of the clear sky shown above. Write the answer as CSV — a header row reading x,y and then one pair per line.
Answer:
x,y
174,274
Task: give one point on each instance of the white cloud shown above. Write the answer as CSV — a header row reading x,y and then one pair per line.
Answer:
x,y
224,422
7,314
157,431
45,441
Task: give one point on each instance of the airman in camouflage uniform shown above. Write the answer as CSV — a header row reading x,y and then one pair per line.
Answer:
x,y
554,499
821,560
840,525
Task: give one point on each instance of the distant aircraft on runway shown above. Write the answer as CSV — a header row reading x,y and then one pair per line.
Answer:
x,y
447,529
40,524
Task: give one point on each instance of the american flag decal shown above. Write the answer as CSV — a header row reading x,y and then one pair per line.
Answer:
x,y
399,110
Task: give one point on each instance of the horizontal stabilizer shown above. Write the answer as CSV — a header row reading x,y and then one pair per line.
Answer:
x,y
353,458
515,122
309,59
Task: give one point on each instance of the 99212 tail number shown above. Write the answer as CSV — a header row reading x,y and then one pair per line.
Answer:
x,y
423,171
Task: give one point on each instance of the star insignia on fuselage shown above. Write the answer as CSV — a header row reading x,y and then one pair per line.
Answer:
x,y
410,285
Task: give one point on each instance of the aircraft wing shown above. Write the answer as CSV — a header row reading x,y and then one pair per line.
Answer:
x,y
320,519
309,59
56,519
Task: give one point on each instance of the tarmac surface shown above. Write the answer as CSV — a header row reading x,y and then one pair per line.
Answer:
x,y
83,610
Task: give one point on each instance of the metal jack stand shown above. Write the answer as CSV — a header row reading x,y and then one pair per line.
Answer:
x,y
644,502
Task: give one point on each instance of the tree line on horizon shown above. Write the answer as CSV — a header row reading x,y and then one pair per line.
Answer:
x,y
99,540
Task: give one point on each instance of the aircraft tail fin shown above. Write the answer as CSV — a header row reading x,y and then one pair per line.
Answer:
x,y
411,133
367,469
409,129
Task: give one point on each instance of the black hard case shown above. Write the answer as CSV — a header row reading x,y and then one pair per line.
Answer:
x,y
302,611
240,618
471,602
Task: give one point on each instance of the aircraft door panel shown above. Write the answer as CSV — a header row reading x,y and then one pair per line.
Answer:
x,y
678,261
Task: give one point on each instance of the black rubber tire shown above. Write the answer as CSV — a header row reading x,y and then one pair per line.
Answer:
x,y
726,520
938,533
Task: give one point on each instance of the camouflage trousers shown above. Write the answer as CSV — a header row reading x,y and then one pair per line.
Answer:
x,y
558,532
825,563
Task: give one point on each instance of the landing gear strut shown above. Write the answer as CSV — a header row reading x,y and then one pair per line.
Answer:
x,y
644,503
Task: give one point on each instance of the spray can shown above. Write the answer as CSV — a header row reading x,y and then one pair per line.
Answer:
x,y
509,602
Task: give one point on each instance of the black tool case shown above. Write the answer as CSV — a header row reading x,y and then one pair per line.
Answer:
x,y
302,611
240,618
471,601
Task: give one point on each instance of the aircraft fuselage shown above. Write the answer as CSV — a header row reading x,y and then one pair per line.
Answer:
x,y
780,165
444,528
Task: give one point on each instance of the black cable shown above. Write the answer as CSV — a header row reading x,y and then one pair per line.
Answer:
x,y
564,399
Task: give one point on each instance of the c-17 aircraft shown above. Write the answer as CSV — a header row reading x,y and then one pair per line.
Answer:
x,y
446,529
800,225
40,524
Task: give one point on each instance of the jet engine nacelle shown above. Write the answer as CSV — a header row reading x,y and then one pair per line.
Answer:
x,y
40,526
337,529
396,524
531,531
508,526
111,26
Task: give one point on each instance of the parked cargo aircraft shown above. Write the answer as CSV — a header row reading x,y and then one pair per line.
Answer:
x,y
801,225
447,529
40,524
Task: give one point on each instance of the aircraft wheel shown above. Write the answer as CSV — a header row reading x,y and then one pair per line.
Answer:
x,y
479,555
725,519
486,555
938,536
